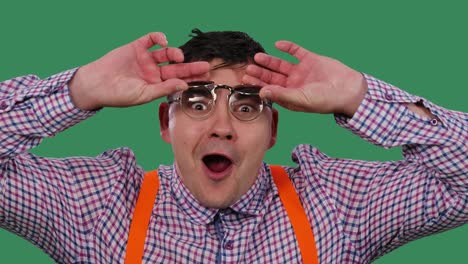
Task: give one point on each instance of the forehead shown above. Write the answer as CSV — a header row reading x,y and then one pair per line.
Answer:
x,y
230,75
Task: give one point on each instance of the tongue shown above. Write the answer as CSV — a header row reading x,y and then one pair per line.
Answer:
x,y
217,163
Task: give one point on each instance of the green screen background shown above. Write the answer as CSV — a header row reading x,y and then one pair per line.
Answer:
x,y
418,46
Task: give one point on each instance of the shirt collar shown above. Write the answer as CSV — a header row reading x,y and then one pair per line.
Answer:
x,y
188,203
253,202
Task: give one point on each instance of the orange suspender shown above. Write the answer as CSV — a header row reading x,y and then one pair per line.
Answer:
x,y
296,214
287,193
141,218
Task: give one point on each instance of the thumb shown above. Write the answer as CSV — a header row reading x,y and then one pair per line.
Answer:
x,y
170,86
290,98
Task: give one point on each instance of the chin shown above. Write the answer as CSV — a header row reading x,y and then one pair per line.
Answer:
x,y
216,203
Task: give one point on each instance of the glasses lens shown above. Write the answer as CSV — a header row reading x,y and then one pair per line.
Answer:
x,y
245,103
197,102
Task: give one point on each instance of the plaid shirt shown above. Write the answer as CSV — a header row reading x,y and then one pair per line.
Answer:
x,y
79,209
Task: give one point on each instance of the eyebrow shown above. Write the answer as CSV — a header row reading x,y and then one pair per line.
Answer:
x,y
236,66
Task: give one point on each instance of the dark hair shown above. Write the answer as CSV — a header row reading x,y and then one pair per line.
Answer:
x,y
233,47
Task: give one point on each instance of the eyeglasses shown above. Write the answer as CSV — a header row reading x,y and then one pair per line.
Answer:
x,y
199,99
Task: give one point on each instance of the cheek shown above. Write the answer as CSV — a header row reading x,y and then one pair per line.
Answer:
x,y
185,135
257,140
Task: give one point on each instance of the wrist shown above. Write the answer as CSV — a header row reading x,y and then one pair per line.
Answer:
x,y
356,94
420,110
80,93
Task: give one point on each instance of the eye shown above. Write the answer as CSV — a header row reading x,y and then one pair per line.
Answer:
x,y
199,106
245,104
197,103
246,108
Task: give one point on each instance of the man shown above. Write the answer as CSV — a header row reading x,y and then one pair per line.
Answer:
x,y
218,203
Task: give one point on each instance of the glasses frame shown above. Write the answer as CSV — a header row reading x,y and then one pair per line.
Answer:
x,y
211,87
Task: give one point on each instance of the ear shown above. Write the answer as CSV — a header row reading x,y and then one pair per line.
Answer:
x,y
164,122
274,127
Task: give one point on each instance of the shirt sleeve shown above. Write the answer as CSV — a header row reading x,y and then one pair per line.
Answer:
x,y
383,205
31,109
55,203
438,144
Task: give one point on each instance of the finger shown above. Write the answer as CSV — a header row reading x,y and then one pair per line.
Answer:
x,y
168,54
184,70
273,63
156,91
290,98
252,80
197,78
266,75
292,48
151,39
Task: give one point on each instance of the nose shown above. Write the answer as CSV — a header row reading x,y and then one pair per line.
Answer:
x,y
222,120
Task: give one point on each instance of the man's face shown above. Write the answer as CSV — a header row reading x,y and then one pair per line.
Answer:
x,y
218,158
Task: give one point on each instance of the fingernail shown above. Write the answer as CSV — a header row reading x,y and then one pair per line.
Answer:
x,y
267,93
180,87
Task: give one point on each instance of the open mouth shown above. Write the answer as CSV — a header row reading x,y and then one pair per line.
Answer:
x,y
217,163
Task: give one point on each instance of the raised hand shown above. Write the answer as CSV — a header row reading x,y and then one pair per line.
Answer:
x,y
132,75
316,84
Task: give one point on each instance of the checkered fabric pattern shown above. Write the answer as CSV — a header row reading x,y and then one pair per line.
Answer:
x,y
79,209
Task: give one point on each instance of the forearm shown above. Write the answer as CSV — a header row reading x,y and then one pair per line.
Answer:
x,y
358,92
421,195
430,135
33,109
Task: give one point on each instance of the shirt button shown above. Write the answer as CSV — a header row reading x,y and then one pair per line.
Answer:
x,y
3,105
434,122
388,96
229,245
